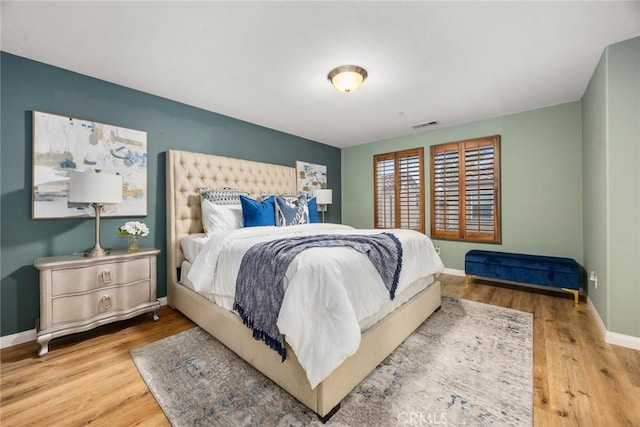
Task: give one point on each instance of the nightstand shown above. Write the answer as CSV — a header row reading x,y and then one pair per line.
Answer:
x,y
79,293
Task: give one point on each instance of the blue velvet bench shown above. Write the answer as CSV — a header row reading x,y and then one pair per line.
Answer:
x,y
563,273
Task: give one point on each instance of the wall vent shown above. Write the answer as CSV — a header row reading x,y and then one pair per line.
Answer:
x,y
425,124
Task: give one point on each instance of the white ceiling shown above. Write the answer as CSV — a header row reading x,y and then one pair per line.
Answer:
x,y
267,62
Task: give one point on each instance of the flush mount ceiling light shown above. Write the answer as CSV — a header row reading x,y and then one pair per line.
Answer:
x,y
347,78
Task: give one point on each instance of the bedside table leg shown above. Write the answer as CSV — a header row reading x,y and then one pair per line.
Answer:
x,y
43,340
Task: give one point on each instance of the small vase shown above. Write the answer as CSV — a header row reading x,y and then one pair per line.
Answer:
x,y
133,244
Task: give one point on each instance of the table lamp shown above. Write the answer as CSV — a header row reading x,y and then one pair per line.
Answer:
x,y
323,198
97,189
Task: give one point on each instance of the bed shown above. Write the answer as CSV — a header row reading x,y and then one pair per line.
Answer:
x,y
186,172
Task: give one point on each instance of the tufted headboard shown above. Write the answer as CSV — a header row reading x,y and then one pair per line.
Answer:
x,y
187,171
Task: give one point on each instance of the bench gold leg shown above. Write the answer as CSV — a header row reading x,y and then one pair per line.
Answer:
x,y
575,294
467,280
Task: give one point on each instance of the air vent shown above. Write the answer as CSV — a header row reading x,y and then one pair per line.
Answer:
x,y
425,124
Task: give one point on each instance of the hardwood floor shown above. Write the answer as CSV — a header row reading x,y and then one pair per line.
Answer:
x,y
89,378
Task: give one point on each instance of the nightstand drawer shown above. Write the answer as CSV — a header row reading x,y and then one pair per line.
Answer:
x,y
88,278
81,307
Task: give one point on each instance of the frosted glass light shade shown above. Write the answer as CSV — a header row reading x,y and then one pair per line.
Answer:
x,y
323,196
347,78
91,187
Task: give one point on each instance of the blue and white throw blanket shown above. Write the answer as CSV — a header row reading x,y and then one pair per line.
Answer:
x,y
260,288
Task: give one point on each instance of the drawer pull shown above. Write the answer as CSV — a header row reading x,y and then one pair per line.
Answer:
x,y
106,302
106,276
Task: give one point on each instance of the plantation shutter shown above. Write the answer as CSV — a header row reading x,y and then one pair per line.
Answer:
x,y
385,191
445,206
410,194
479,190
399,190
465,188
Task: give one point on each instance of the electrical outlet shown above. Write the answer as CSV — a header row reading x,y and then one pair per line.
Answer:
x,y
437,249
593,277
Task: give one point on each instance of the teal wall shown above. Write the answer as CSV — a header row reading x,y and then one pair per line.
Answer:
x,y
541,181
611,128
28,85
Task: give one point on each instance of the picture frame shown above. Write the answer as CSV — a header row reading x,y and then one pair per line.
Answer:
x,y
62,144
310,176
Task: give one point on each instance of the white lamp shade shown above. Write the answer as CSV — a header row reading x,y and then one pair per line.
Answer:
x,y
323,196
90,187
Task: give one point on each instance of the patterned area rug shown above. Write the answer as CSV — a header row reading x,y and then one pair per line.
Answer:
x,y
468,364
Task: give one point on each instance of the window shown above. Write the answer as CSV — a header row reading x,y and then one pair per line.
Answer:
x,y
465,190
398,189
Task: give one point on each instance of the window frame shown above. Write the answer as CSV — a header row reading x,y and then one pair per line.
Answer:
x,y
397,156
462,234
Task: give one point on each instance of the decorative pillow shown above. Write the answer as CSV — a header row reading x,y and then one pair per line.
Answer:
x,y
221,196
255,213
216,217
314,218
291,212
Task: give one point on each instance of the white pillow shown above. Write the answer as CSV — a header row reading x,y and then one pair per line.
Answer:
x,y
220,217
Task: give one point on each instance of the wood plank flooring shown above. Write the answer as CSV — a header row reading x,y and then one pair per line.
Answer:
x,y
89,378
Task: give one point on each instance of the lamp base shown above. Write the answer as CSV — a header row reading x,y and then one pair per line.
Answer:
x,y
97,251
322,208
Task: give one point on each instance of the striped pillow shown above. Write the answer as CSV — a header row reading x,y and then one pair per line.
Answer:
x,y
222,196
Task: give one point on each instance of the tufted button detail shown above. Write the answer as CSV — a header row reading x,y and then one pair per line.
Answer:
x,y
193,170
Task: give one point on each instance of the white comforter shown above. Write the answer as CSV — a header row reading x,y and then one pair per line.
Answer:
x,y
328,291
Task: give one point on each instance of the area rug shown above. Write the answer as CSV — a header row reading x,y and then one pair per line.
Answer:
x,y
469,364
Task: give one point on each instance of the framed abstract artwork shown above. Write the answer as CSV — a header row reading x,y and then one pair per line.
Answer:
x,y
310,176
63,144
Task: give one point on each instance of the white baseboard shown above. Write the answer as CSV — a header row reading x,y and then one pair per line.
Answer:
x,y
596,316
19,338
622,340
30,335
614,338
454,272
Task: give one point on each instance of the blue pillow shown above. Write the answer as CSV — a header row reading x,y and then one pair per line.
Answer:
x,y
292,211
313,211
255,213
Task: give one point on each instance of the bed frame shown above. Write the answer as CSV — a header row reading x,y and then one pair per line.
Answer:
x,y
186,171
